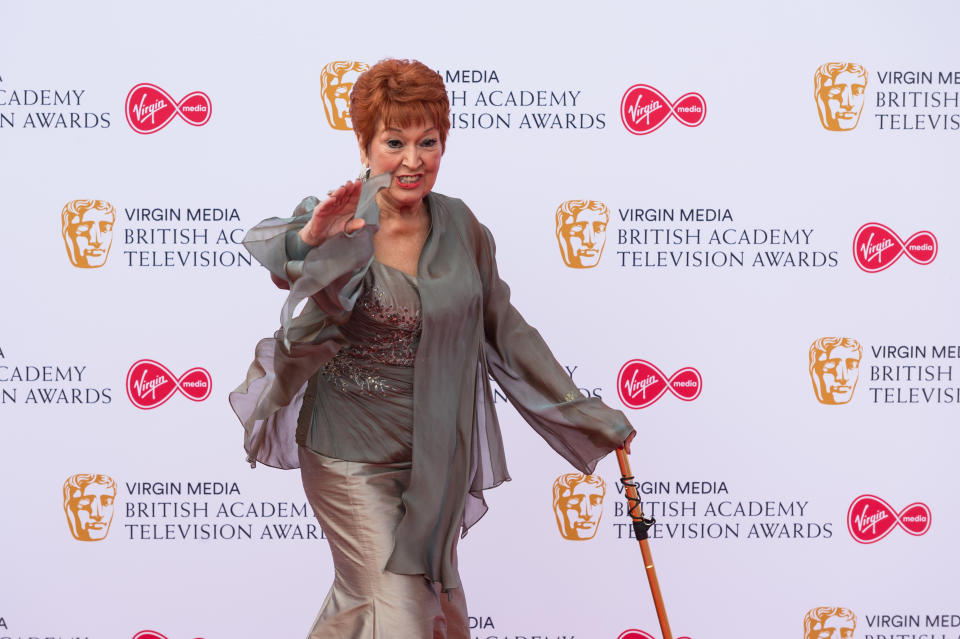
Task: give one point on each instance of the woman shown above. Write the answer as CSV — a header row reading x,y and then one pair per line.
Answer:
x,y
383,376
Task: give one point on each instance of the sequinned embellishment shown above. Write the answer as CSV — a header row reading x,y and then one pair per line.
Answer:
x,y
400,333
380,333
347,374
571,396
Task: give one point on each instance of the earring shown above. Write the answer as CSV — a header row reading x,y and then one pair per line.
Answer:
x,y
365,173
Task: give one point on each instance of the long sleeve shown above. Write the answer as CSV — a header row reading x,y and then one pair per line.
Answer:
x,y
326,282
581,429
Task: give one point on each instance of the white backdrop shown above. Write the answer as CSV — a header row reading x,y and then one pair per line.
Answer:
x,y
756,432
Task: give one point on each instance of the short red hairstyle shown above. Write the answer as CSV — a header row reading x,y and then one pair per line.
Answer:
x,y
399,93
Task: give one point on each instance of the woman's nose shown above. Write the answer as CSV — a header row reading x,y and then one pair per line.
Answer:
x,y
411,156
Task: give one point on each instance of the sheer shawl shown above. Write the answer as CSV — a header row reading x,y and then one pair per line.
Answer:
x,y
470,331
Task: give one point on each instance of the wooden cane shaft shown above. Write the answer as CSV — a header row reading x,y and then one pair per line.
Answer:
x,y
633,497
655,590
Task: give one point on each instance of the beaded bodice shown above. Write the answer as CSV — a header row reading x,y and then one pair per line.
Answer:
x,y
384,330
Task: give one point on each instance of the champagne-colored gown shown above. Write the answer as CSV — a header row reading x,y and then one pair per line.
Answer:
x,y
378,390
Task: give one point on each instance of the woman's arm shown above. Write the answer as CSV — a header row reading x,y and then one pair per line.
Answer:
x,y
580,428
329,277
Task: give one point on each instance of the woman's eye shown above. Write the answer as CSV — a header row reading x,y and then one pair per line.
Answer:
x,y
395,144
429,143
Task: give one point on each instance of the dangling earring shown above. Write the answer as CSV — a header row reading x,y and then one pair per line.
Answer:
x,y
365,173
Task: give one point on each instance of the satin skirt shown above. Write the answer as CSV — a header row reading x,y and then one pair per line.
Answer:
x,y
358,506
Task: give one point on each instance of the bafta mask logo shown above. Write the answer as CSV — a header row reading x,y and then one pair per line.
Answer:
x,y
828,622
578,505
336,82
840,89
87,228
835,368
88,504
582,232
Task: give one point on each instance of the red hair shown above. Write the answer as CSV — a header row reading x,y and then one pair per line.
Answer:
x,y
398,93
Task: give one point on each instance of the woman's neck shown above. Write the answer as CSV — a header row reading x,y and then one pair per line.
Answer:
x,y
390,210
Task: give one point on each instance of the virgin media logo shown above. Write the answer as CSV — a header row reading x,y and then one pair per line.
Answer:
x,y
149,108
640,383
876,247
150,384
151,634
643,109
870,519
639,634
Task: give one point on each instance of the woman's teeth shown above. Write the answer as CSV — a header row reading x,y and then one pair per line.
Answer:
x,y
407,179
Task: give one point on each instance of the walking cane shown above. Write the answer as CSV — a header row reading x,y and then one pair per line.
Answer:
x,y
641,525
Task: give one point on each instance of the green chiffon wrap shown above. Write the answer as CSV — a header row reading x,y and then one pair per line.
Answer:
x,y
470,332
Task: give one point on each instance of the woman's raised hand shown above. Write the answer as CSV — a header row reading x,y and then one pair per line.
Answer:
x,y
334,215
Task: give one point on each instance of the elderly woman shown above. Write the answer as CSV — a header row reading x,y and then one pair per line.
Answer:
x,y
376,386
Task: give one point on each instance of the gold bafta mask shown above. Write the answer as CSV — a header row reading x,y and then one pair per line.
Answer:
x,y
840,89
87,228
578,505
828,622
582,232
336,82
835,368
88,504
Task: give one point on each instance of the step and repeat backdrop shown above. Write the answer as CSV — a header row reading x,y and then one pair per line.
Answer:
x,y
737,223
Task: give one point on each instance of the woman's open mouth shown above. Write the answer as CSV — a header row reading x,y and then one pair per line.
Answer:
x,y
408,181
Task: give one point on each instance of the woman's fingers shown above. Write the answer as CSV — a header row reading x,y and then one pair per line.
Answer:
x,y
351,193
626,443
329,207
354,225
342,200
332,215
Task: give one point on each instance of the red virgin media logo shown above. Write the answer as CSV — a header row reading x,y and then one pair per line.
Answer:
x,y
150,384
870,519
639,634
149,108
640,383
151,634
643,109
876,247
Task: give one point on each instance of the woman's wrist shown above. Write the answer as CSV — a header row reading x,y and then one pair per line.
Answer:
x,y
296,247
307,236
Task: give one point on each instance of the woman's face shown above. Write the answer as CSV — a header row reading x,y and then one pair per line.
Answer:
x,y
411,155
